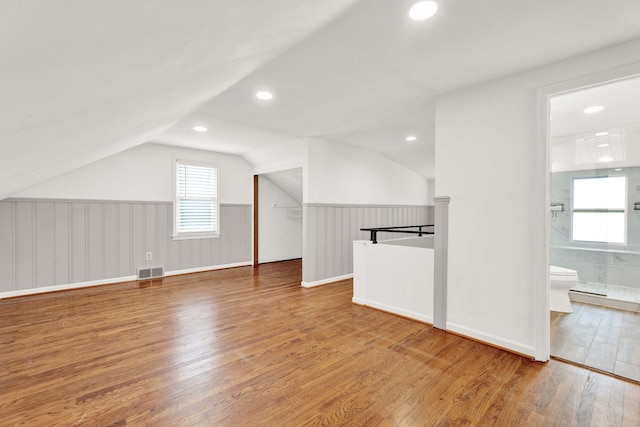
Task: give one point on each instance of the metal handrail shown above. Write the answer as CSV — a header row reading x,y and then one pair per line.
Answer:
x,y
398,229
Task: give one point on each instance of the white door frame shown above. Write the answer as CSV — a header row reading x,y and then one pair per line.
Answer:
x,y
543,170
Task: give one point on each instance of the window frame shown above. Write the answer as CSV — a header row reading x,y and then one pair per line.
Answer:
x,y
182,235
622,210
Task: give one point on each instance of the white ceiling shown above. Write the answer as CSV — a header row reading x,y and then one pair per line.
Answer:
x,y
578,139
82,80
289,181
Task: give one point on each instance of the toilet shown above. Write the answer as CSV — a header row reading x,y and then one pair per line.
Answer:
x,y
562,279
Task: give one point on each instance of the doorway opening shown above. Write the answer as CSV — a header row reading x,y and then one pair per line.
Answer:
x,y
594,226
278,216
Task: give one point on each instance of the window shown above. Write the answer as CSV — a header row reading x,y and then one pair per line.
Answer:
x,y
599,209
195,200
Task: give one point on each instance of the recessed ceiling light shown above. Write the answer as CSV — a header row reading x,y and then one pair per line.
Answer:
x,y
603,145
200,128
593,109
605,159
410,138
602,133
264,95
423,10
617,169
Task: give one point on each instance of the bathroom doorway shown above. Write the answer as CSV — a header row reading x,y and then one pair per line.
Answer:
x,y
594,226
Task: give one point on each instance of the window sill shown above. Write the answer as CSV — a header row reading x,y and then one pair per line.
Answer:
x,y
189,236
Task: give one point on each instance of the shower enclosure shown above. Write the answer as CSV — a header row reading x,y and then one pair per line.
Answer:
x,y
595,220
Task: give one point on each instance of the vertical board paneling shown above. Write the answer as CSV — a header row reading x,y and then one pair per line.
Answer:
x,y
215,251
329,232
322,247
44,244
309,258
125,261
194,253
47,243
238,226
235,249
341,258
150,233
205,251
174,254
137,235
62,234
24,245
332,245
95,237
78,243
346,231
240,231
226,231
7,261
248,237
110,238
305,234
185,254
164,235
223,243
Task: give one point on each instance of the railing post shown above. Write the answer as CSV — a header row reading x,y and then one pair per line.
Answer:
x,y
441,246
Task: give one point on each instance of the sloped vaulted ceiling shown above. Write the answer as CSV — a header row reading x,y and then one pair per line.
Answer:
x,y
84,79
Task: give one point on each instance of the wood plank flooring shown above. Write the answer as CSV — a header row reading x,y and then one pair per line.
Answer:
x,y
601,337
245,347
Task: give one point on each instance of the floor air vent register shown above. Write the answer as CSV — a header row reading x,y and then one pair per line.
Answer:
x,y
150,272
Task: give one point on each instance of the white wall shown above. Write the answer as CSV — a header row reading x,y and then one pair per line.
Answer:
x,y
432,190
342,174
288,155
145,173
486,154
279,227
406,263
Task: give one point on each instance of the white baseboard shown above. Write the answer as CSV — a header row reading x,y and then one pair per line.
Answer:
x,y
78,285
359,301
394,310
516,347
210,268
326,281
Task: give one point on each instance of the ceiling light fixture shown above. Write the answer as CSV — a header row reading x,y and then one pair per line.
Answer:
x,y
423,10
602,133
410,138
605,159
593,109
264,95
603,145
617,169
200,128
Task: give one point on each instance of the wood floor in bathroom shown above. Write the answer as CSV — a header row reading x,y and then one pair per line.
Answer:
x,y
603,338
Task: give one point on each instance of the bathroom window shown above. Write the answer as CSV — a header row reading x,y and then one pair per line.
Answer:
x,y
599,209
195,200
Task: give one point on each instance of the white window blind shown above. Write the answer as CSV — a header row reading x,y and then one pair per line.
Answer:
x,y
196,202
599,209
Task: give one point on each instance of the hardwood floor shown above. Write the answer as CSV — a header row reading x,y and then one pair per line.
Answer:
x,y
245,347
601,337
